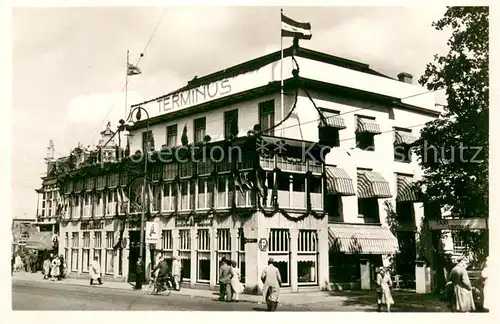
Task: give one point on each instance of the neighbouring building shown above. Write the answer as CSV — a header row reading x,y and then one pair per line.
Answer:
x,y
231,174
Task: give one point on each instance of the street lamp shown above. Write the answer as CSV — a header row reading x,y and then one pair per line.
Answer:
x,y
137,111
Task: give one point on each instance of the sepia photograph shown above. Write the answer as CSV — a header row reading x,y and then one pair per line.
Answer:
x,y
252,159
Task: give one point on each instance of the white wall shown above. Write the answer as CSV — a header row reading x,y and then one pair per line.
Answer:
x,y
347,156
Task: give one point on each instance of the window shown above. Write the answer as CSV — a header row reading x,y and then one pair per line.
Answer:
x,y
74,251
244,195
406,213
187,195
366,129
200,126
112,201
205,193
365,141
172,135
110,254
368,209
307,257
156,174
333,207
185,252
169,196
113,180
170,171
223,246
402,153
230,123
167,242
266,117
222,192
279,249
86,252
203,255
98,246
241,253
148,142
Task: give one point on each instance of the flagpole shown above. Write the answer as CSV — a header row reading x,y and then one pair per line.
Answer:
x,y
281,87
126,85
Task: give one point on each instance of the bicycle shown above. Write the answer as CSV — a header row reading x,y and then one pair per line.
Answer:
x,y
161,286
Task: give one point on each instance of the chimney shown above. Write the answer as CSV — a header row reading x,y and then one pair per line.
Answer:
x,y
405,77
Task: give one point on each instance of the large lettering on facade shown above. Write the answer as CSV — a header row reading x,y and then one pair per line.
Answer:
x,y
193,97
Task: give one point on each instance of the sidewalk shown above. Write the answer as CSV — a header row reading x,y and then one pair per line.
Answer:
x,y
293,299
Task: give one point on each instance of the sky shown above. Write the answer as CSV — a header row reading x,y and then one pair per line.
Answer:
x,y
69,63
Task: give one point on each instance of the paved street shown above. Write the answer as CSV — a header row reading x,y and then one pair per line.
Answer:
x,y
29,295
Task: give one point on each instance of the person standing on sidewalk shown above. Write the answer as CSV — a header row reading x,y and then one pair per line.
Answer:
x,y
139,272
385,283
225,274
486,287
95,271
176,272
462,288
55,270
46,268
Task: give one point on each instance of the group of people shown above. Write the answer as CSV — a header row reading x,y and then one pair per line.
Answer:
x,y
460,291
54,268
26,261
230,285
384,285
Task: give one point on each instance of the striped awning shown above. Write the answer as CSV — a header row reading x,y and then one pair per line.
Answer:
x,y
404,138
338,182
334,120
361,239
40,241
406,189
372,185
366,125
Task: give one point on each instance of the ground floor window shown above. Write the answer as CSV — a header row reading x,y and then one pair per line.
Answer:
x,y
203,266
345,268
242,265
85,260
279,247
307,257
97,253
110,261
74,260
186,264
283,266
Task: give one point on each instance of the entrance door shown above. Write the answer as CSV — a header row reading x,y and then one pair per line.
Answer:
x,y
134,253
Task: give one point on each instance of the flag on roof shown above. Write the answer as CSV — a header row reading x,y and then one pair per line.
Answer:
x,y
292,28
133,70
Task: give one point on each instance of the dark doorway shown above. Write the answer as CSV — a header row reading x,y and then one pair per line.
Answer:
x,y
134,253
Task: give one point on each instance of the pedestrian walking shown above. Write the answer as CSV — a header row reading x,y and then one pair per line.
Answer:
x,y
139,273
384,284
18,263
46,268
236,286
486,287
177,272
225,273
272,282
62,268
95,271
462,289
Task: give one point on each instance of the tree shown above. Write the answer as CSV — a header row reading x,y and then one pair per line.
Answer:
x,y
454,148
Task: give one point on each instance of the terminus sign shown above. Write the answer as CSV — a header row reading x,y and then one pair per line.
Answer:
x,y
458,224
193,97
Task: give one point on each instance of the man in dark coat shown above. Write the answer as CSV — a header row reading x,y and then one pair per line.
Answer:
x,y
139,273
225,274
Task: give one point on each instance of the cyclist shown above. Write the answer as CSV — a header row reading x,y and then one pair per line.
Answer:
x,y
163,272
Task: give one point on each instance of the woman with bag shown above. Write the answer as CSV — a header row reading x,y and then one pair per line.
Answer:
x,y
236,285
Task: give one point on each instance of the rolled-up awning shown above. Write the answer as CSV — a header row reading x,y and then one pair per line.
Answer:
x,y
367,125
404,138
40,241
372,185
362,239
338,182
406,189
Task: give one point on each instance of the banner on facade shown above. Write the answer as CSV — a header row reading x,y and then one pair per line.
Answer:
x,y
152,233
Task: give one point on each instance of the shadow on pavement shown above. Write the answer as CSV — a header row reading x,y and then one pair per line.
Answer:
x,y
404,301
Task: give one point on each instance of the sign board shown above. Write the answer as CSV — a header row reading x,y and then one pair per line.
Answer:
x,y
458,224
263,244
250,240
152,233
216,89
